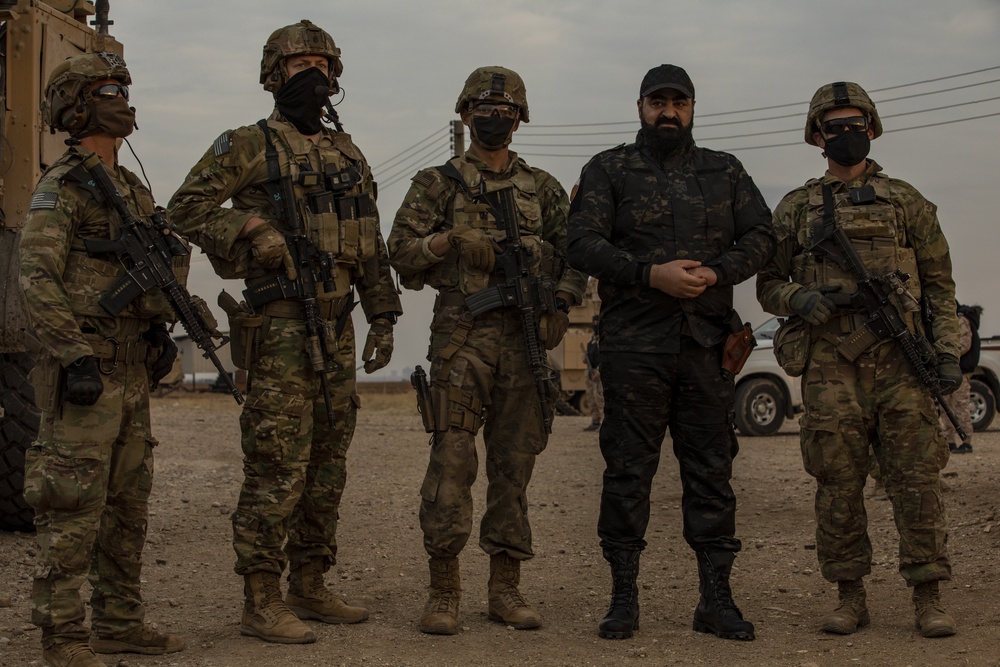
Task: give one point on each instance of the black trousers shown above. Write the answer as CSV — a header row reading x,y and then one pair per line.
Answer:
x,y
644,394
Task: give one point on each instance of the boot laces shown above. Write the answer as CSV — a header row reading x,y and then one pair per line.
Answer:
x,y
443,599
73,649
623,586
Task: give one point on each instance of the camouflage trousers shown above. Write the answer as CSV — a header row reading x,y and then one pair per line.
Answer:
x,y
88,476
876,403
645,395
294,459
958,401
486,381
595,391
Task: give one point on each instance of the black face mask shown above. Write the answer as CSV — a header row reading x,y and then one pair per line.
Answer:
x,y
492,132
665,137
113,117
302,98
848,149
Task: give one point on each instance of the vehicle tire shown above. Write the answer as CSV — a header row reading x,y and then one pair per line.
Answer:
x,y
18,429
585,404
982,405
760,407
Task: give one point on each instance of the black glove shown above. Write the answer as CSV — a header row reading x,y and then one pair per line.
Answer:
x,y
83,385
949,373
159,338
813,305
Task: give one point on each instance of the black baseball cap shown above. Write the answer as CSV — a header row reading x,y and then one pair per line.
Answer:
x,y
666,76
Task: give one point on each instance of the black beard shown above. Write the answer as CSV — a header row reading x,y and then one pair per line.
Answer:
x,y
665,137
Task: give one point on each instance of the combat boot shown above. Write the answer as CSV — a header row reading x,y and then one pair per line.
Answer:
x,y
623,614
265,614
308,598
440,615
932,619
71,654
851,613
506,604
143,638
716,611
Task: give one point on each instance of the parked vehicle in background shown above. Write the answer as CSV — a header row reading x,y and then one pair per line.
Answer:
x,y
765,395
985,390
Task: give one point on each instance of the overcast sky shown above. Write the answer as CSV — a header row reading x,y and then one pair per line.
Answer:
x,y
195,67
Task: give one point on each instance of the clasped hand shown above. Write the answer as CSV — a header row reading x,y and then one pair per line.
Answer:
x,y
681,278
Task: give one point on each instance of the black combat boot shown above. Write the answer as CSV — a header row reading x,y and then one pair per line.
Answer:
x,y
623,614
716,612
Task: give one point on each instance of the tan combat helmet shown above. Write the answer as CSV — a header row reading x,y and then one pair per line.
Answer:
x,y
836,95
299,39
68,105
494,84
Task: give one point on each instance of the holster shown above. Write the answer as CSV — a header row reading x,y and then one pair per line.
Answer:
x,y
737,348
425,406
245,329
47,379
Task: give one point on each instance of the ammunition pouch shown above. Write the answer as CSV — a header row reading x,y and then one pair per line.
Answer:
x,y
452,407
791,346
246,329
47,380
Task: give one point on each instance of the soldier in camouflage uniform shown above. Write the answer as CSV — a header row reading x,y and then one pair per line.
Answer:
x,y
668,228
480,374
89,473
294,458
858,391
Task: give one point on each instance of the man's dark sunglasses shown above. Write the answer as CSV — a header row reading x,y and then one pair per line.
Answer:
x,y
110,91
838,126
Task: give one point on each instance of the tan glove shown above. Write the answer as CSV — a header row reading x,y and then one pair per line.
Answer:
x,y
475,246
270,249
379,344
553,327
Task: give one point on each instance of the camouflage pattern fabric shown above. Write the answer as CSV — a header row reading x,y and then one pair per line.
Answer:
x,y
484,378
631,211
294,460
849,407
89,473
959,400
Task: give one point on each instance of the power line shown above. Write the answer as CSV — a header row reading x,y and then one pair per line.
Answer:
x,y
406,170
792,104
386,163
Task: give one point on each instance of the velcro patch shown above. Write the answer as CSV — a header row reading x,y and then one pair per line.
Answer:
x,y
43,201
423,179
223,144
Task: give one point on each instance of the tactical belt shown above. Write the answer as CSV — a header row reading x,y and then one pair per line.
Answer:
x,y
117,352
287,308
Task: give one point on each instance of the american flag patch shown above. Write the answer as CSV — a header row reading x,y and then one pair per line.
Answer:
x,y
43,201
222,144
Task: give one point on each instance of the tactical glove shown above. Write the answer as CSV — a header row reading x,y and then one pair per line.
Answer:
x,y
949,373
159,338
475,246
83,385
553,327
379,344
270,249
813,305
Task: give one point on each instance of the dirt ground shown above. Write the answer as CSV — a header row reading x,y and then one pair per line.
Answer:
x,y
191,590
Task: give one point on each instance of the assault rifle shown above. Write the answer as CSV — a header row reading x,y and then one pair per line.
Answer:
x,y
312,267
532,295
876,298
147,249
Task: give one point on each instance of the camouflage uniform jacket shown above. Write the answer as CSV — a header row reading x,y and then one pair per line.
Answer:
x,y
899,230
436,203
61,282
235,168
631,212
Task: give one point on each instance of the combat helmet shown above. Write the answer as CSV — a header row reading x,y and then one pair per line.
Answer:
x,y
836,95
494,84
299,39
68,105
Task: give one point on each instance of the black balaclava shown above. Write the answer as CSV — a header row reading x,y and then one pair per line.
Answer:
x,y
848,149
301,100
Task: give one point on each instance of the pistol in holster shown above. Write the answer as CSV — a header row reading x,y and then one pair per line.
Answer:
x,y
425,406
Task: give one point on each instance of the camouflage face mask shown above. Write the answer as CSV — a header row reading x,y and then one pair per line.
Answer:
x,y
113,117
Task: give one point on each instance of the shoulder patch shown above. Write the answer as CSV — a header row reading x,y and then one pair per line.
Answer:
x,y
223,144
424,179
43,201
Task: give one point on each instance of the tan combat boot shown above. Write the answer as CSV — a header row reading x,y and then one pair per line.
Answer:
x,y
932,619
265,614
308,598
851,613
143,638
506,604
71,654
440,615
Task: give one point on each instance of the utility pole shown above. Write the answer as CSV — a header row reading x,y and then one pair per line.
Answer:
x,y
457,138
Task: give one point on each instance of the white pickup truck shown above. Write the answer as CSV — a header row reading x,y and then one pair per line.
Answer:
x,y
766,396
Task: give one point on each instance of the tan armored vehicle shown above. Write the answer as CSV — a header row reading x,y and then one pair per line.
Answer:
x,y
568,357
34,37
